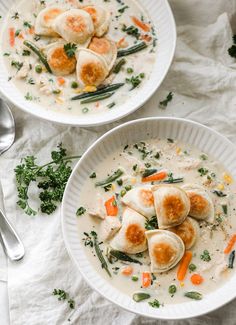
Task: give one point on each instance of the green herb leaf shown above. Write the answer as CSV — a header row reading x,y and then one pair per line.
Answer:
x,y
70,49
80,211
172,289
231,260
205,256
151,224
51,178
165,102
219,193
118,173
155,303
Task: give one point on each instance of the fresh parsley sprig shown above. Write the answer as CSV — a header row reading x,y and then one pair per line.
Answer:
x,y
70,49
51,178
62,295
164,103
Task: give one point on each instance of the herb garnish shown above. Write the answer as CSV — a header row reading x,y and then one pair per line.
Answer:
x,y
232,49
231,260
151,224
165,102
155,303
80,211
62,295
172,180
219,193
93,175
172,289
122,10
51,178
118,173
192,267
70,49
132,31
27,24
203,171
18,65
205,256
135,81
16,16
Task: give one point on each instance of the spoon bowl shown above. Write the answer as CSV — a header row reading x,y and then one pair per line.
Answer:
x,y
7,127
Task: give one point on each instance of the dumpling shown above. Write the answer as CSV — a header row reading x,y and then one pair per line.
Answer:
x,y
91,68
172,205
45,19
201,204
165,249
75,26
58,60
131,237
101,19
188,231
141,200
106,48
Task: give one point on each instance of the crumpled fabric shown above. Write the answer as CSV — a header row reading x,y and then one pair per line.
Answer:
x,y
203,80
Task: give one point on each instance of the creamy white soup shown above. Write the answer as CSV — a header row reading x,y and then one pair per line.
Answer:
x,y
159,223
78,57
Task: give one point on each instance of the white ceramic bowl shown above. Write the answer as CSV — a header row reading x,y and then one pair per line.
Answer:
x,y
161,15
186,131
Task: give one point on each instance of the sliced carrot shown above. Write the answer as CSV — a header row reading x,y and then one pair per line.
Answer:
x,y
146,38
141,24
111,207
146,279
230,245
31,30
128,270
12,36
183,267
61,81
155,177
196,279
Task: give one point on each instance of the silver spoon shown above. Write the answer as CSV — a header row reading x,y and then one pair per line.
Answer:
x,y
12,244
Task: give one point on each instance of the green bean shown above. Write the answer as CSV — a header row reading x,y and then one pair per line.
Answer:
x,y
123,257
139,296
149,172
132,49
119,65
99,91
100,256
37,51
111,178
193,295
97,98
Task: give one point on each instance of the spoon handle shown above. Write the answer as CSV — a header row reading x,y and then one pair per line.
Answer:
x,y
12,244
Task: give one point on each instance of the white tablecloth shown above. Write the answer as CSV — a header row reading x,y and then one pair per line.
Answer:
x,y
203,80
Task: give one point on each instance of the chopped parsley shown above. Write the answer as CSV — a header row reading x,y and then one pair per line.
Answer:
x,y
164,103
122,10
26,53
16,15
132,31
172,289
27,24
80,211
205,256
232,49
62,295
219,193
203,171
70,49
16,64
155,303
135,81
93,175
151,224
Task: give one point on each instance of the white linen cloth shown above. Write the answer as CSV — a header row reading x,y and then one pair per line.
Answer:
x,y
203,80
